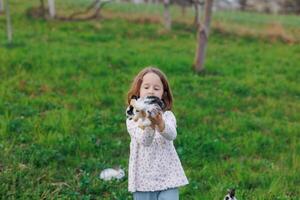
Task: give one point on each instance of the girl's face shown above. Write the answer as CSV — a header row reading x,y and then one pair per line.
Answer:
x,y
151,86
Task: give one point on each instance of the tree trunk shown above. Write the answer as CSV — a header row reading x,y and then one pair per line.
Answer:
x,y
1,6
42,8
167,16
183,10
197,13
51,4
243,4
8,22
138,1
202,37
97,8
42,4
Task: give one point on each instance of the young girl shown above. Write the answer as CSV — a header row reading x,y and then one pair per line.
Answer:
x,y
155,171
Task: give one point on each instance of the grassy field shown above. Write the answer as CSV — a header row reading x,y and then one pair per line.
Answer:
x,y
62,100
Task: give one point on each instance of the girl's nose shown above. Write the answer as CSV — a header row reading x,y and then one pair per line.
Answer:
x,y
151,91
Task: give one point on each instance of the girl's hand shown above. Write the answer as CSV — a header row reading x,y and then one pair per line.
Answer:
x,y
158,121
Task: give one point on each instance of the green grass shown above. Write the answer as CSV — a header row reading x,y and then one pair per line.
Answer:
x,y
63,87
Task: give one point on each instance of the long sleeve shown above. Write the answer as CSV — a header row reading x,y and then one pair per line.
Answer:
x,y
153,163
144,137
169,132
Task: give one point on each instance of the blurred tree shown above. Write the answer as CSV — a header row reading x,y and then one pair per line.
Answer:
x,y
8,22
197,5
292,6
137,1
243,4
95,6
51,4
190,3
91,12
197,15
1,6
202,37
38,12
42,9
98,6
167,15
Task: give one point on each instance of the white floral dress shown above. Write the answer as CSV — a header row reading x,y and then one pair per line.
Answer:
x,y
154,164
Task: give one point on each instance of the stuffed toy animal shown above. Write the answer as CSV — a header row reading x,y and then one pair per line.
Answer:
x,y
140,109
230,195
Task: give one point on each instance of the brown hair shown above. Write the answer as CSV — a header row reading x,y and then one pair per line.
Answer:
x,y
167,96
